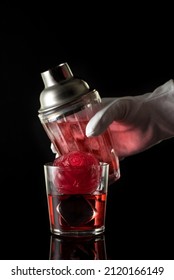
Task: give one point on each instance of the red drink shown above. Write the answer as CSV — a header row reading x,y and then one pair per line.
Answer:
x,y
70,135
77,186
72,213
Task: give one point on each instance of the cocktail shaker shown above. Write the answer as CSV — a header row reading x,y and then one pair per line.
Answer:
x,y
66,105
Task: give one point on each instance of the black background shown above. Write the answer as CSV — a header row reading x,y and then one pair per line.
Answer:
x,y
119,50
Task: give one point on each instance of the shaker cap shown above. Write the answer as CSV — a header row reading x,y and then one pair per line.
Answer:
x,y
61,87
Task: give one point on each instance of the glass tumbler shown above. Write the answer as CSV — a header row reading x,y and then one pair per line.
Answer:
x,y
77,207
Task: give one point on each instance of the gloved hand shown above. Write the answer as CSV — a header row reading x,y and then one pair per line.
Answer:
x,y
136,122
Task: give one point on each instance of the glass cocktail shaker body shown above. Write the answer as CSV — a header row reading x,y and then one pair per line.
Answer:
x,y
67,104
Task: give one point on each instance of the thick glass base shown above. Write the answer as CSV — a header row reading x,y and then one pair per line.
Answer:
x,y
74,233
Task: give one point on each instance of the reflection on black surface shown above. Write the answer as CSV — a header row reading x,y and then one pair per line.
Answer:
x,y
77,248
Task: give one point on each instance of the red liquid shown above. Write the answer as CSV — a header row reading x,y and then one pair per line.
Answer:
x,y
70,135
77,212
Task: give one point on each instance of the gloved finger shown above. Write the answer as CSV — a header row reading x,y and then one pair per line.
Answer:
x,y
54,150
115,110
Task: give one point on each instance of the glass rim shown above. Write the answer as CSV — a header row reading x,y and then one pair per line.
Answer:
x,y
50,165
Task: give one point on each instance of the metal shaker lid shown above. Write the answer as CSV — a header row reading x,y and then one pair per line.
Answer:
x,y
61,87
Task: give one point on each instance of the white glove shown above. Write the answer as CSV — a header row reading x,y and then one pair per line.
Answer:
x,y
54,150
136,122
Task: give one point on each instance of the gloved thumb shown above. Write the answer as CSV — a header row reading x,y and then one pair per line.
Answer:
x,y
115,110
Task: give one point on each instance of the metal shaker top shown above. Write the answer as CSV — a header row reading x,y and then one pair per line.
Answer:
x,y
61,87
